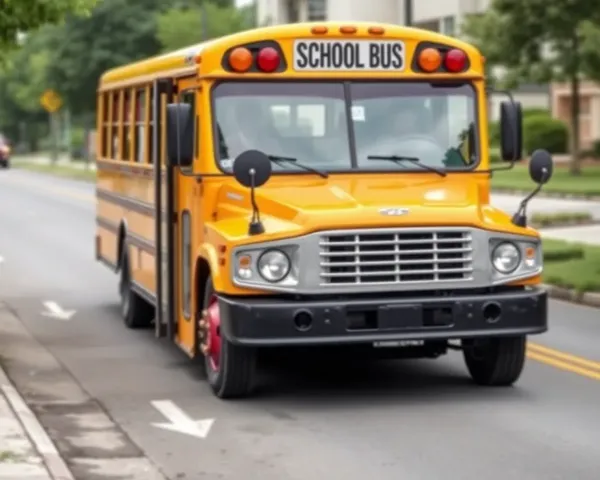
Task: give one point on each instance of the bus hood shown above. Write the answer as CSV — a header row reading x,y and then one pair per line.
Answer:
x,y
298,206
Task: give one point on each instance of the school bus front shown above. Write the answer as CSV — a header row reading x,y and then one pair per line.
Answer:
x,y
339,196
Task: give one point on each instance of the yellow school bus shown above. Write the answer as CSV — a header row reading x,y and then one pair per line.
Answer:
x,y
317,185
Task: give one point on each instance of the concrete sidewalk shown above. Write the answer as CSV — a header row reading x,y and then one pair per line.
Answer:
x,y
26,451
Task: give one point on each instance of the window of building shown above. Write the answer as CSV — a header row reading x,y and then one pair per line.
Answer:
x,y
317,10
433,26
292,8
448,26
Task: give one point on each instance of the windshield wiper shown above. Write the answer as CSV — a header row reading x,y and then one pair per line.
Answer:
x,y
399,159
277,159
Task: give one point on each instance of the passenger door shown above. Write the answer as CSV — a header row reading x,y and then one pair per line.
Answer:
x,y
185,203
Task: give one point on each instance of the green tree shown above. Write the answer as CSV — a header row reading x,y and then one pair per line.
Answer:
x,y
541,41
117,32
21,16
178,28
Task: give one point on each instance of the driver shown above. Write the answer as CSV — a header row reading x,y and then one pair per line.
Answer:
x,y
245,126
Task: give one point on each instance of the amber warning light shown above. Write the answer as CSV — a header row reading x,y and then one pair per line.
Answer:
x,y
267,59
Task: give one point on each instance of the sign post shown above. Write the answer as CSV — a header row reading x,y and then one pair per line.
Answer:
x,y
52,102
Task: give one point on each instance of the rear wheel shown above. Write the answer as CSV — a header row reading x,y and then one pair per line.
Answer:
x,y
495,361
229,368
136,312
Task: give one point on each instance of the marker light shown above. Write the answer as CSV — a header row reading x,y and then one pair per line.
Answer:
x,y
240,59
268,59
347,29
455,60
319,30
430,60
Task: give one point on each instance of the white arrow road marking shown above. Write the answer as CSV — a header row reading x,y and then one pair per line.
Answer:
x,y
54,310
180,422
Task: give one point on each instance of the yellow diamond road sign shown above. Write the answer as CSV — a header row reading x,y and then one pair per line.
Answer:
x,y
51,101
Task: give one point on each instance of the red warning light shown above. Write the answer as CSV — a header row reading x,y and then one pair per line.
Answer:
x,y
268,59
455,60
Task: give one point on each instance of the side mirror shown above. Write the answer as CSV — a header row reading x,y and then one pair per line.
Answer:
x,y
540,171
511,129
180,134
252,169
540,166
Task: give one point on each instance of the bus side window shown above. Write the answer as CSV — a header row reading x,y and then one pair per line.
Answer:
x,y
189,97
140,126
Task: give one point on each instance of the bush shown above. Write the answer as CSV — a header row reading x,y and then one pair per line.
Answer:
x,y
570,252
543,131
494,127
77,148
494,134
535,111
495,156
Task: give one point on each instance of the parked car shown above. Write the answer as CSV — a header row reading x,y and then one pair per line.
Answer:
x,y
4,152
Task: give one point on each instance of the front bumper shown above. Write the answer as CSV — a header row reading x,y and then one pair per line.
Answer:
x,y
273,322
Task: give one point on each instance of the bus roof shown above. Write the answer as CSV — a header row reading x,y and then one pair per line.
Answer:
x,y
184,58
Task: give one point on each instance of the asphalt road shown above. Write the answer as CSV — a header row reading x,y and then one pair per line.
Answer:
x,y
92,382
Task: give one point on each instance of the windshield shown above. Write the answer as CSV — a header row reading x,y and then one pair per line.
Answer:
x,y
315,122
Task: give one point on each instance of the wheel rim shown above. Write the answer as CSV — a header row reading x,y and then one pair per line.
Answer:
x,y
213,334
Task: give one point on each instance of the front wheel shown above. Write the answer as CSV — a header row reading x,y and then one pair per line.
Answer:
x,y
495,361
229,368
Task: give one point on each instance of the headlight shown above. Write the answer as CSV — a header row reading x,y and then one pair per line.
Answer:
x,y
274,265
506,257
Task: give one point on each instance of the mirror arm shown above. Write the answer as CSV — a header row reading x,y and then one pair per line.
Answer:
x,y
520,217
256,227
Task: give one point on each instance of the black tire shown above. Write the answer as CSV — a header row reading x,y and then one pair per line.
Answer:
x,y
136,312
495,361
237,365
5,164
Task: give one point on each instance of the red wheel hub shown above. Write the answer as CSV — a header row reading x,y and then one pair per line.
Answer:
x,y
213,340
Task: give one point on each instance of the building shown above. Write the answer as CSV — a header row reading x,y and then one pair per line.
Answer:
x,y
589,109
444,16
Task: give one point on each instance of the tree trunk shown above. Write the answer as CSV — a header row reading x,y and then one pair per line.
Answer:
x,y
575,167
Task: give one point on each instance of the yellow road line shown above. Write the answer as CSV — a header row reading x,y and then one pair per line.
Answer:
x,y
562,365
550,352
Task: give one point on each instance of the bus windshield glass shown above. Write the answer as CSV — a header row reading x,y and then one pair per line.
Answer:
x,y
333,127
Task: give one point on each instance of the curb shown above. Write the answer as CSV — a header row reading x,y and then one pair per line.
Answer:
x,y
542,194
588,299
45,447
587,223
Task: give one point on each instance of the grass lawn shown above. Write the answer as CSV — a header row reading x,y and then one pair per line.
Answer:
x,y
572,265
588,183
58,170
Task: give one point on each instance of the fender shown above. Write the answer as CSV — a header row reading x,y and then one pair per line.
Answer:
x,y
209,253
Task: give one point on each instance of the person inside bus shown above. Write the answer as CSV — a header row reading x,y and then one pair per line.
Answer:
x,y
246,126
405,131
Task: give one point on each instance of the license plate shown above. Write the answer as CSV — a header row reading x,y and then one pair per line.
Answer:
x,y
349,55
399,344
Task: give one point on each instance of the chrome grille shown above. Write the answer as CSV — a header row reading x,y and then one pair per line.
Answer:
x,y
395,257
